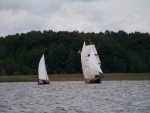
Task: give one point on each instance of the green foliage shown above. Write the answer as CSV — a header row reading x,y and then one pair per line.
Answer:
x,y
118,51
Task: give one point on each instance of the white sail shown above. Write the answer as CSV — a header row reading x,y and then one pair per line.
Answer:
x,y
42,72
94,64
90,61
84,61
96,54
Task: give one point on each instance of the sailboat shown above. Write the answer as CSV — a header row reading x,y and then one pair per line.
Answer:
x,y
91,64
42,72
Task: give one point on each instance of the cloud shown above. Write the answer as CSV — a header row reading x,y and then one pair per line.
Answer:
x,y
129,16
83,15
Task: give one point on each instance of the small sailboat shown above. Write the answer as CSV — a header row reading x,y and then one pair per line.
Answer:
x,y
91,64
42,72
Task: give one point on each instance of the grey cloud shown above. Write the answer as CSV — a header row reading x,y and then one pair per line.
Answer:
x,y
83,15
32,6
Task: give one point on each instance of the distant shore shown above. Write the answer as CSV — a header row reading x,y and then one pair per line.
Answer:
x,y
75,77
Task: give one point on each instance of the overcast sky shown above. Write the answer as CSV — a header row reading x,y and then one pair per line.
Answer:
x,y
21,16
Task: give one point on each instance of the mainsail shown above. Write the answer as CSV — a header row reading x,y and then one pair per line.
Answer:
x,y
84,61
90,61
42,72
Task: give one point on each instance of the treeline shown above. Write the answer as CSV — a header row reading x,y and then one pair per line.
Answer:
x,y
119,51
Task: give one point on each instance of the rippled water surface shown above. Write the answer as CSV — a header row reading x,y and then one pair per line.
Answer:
x,y
75,97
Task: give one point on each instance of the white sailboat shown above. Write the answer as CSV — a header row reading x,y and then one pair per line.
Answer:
x,y
42,72
91,65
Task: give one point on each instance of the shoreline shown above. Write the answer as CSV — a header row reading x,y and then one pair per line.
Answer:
x,y
75,77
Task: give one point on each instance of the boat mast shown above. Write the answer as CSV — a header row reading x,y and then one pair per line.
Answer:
x,y
90,41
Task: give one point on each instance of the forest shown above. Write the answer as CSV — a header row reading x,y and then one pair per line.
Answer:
x,y
119,52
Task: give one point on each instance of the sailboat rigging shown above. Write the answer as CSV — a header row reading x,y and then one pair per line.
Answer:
x,y
91,64
42,72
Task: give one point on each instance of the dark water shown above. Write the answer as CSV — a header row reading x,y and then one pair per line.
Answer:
x,y
76,97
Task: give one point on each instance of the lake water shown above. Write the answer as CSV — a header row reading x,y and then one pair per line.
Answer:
x,y
75,97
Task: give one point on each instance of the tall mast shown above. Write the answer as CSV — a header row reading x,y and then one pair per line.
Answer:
x,y
90,41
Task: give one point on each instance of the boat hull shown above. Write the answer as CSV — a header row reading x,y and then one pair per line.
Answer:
x,y
96,80
43,82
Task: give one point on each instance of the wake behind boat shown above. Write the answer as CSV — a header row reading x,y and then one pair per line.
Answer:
x,y
91,64
42,72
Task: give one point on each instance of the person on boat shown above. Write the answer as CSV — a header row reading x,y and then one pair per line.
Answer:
x,y
40,81
44,81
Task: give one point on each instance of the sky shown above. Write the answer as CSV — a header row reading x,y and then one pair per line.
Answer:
x,y
21,16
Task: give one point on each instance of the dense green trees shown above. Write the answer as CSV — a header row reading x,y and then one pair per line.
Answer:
x,y
119,51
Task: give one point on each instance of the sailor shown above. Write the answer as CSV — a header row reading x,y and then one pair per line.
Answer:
x,y
44,81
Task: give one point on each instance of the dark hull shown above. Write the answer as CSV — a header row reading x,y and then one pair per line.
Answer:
x,y
43,82
93,81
